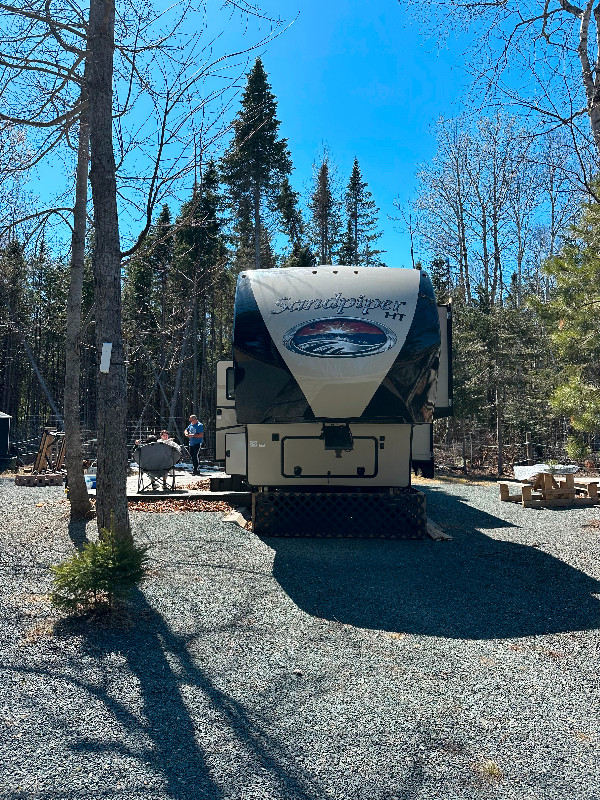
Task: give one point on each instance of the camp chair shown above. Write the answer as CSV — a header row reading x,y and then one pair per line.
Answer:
x,y
156,461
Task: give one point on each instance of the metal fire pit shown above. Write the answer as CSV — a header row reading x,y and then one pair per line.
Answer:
x,y
157,461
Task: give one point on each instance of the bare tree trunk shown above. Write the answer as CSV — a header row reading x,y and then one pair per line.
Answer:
x,y
195,365
520,257
486,258
203,375
462,237
111,504
177,387
163,318
497,274
589,70
78,495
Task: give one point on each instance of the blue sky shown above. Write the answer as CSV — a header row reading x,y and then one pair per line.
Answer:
x,y
356,77
360,78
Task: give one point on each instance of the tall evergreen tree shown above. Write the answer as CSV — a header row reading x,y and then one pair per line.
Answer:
x,y
14,303
348,252
200,259
572,318
325,220
145,312
47,291
198,240
257,160
361,232
292,225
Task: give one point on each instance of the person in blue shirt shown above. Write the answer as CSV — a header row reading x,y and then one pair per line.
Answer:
x,y
195,435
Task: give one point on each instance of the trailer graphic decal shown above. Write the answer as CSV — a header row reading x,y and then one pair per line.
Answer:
x,y
340,337
315,318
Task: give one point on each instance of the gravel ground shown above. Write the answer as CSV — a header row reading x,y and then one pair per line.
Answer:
x,y
256,669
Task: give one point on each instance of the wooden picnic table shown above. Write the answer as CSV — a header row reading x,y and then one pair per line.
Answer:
x,y
546,490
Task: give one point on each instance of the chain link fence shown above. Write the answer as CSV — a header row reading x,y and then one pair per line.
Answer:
x,y
475,450
456,446
25,439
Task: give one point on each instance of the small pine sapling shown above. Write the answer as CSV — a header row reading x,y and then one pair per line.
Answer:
x,y
100,575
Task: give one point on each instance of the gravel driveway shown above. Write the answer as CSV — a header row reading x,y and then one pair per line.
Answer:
x,y
309,669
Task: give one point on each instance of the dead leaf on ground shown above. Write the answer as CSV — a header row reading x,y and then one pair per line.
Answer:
x,y
42,630
202,485
583,737
180,506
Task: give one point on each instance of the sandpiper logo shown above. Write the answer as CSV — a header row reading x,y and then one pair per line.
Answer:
x,y
339,337
339,304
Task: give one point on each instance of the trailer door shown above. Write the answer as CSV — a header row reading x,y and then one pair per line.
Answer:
x,y
225,418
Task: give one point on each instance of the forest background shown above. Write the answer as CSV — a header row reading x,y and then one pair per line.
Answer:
x,y
503,216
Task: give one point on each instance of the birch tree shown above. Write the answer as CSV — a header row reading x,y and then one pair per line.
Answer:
x,y
542,56
482,201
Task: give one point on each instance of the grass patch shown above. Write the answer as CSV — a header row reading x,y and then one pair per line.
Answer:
x,y
489,770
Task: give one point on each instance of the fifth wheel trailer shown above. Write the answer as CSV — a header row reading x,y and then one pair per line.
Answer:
x,y
333,367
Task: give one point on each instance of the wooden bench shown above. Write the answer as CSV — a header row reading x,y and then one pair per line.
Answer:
x,y
588,485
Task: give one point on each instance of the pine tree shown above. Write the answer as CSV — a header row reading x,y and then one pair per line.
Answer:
x,y
146,277
201,258
257,160
502,373
14,304
292,225
145,311
441,278
199,240
573,321
348,253
325,220
47,281
362,230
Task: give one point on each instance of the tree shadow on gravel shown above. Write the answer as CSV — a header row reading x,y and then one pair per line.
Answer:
x,y
474,587
165,671
78,532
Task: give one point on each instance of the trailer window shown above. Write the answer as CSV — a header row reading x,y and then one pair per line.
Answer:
x,y
230,384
